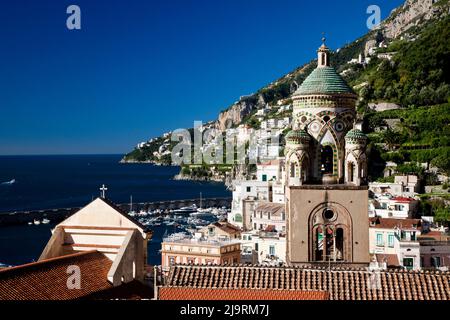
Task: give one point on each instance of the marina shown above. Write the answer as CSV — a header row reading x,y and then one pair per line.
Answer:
x,y
213,206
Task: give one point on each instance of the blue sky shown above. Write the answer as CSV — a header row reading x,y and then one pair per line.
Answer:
x,y
139,68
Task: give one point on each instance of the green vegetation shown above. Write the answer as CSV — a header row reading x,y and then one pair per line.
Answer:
x,y
416,74
389,179
421,136
435,206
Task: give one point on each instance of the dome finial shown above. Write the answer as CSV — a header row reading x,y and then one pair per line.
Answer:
x,y
323,38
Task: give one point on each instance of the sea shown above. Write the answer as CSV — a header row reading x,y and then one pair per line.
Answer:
x,y
50,182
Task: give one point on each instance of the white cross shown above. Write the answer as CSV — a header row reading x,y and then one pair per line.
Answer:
x,y
103,189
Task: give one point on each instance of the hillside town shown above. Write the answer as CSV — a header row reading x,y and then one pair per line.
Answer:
x,y
335,208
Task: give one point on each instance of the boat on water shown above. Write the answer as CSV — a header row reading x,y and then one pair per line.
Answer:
x,y
7,183
185,210
142,213
36,222
196,221
45,221
175,236
201,213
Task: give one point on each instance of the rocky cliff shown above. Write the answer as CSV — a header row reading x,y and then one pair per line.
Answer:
x,y
238,111
412,13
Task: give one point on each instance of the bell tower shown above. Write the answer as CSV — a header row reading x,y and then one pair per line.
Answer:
x,y
326,173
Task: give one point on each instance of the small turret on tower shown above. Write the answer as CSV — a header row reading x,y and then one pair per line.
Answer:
x,y
323,55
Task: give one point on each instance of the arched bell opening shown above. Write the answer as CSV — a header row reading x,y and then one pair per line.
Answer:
x,y
351,171
330,235
326,160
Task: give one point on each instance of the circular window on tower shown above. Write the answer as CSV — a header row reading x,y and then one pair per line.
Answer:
x,y
328,214
314,127
339,126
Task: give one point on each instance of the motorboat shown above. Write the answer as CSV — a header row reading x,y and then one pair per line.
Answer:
x,y
184,210
9,182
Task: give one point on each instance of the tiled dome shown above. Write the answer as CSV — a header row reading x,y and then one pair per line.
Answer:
x,y
298,136
355,134
323,80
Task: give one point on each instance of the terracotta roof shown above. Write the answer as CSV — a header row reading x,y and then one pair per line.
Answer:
x,y
392,223
434,235
403,199
390,259
47,279
227,227
183,293
342,283
274,162
269,207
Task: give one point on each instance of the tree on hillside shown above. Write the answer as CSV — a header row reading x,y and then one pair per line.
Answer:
x,y
442,162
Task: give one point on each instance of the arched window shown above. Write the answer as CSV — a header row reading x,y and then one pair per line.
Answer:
x,y
326,160
329,243
318,244
292,170
351,172
339,244
323,61
304,171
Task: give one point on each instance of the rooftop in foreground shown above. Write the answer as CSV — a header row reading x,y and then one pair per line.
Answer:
x,y
48,279
341,283
183,293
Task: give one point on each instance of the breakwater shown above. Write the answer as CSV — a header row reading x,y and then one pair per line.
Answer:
x,y
57,215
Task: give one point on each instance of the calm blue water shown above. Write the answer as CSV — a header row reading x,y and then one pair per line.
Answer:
x,y
44,182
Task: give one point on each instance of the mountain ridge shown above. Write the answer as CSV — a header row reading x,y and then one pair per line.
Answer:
x,y
403,24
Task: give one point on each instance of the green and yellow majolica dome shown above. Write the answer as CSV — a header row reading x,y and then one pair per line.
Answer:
x,y
355,135
298,136
324,80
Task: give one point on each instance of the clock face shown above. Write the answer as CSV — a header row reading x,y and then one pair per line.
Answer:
x,y
314,127
339,126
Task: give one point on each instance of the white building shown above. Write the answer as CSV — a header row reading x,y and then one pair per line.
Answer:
x,y
284,108
270,171
394,242
268,216
267,248
278,194
245,193
275,123
262,112
393,207
403,186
